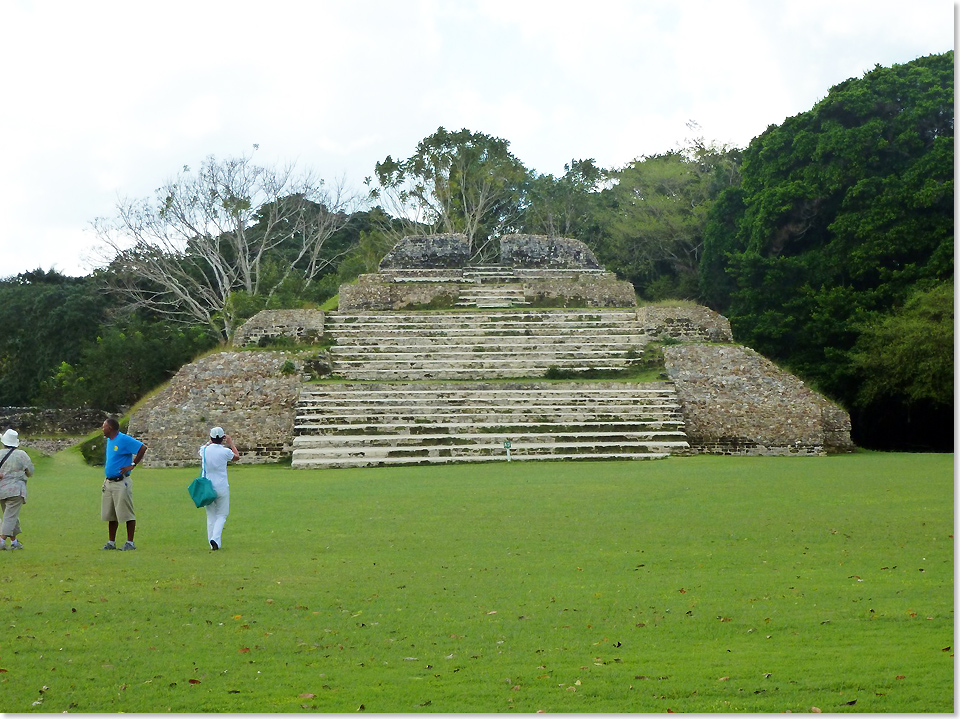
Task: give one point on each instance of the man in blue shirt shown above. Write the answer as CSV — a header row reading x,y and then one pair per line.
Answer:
x,y
123,453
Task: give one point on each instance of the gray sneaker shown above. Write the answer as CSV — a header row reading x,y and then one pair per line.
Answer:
x,y
110,545
15,544
128,546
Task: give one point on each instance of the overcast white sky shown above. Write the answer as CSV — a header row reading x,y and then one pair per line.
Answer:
x,y
106,99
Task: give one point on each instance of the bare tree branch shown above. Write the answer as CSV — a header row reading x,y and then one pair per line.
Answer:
x,y
208,234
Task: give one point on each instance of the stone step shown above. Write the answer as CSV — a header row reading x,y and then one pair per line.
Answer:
x,y
509,389
341,403
486,450
458,355
504,405
485,427
492,418
517,400
450,374
492,304
497,302
665,438
520,339
520,316
492,288
414,371
489,329
514,390
477,360
342,462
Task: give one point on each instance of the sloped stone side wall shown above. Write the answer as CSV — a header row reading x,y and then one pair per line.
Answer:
x,y
541,251
247,393
302,326
374,292
737,402
685,323
428,252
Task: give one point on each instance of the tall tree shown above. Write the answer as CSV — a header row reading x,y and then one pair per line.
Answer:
x,y
230,226
565,206
657,210
844,212
123,362
46,317
908,353
464,182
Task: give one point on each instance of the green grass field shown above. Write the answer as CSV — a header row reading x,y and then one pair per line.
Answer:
x,y
698,584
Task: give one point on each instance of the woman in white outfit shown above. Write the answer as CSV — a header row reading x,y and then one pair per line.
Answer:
x,y
215,454
15,467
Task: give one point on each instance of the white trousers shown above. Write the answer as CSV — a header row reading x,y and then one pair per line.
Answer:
x,y
217,512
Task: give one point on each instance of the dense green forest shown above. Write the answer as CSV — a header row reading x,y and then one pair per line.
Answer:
x,y
827,242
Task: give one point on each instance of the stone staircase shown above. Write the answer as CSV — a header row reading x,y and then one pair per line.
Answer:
x,y
359,424
464,345
489,296
431,398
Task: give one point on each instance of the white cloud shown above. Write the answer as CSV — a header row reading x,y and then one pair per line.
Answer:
x,y
113,97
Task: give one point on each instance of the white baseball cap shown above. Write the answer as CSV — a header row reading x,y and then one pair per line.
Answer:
x,y
216,432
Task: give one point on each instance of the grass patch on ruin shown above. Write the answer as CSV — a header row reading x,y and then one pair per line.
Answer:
x,y
697,584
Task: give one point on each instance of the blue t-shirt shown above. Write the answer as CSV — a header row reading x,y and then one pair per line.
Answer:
x,y
120,451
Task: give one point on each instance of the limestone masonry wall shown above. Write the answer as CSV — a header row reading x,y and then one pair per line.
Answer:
x,y
685,323
735,401
375,292
34,421
251,394
302,326
453,250
382,292
428,252
581,291
35,426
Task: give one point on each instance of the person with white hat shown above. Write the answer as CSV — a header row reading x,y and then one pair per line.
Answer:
x,y
215,454
15,467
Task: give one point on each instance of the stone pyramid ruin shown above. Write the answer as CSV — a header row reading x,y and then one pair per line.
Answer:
x,y
435,360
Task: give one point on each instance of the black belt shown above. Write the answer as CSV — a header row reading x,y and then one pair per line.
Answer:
x,y
117,479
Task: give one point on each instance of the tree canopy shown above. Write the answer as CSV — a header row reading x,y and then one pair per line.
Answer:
x,y
844,212
457,182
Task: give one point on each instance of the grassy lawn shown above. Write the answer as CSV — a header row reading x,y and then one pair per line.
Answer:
x,y
698,584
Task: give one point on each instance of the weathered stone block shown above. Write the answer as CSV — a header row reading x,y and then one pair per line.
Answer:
x,y
685,323
429,252
540,251
302,326
586,290
378,292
